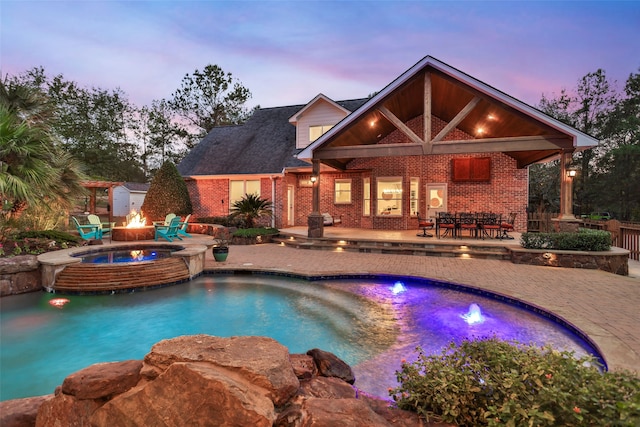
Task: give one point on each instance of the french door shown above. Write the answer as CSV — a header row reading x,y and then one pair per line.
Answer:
x,y
436,199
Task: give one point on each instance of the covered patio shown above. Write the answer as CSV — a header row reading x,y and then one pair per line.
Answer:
x,y
447,133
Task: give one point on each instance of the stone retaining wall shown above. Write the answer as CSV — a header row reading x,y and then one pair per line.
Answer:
x,y
614,261
19,274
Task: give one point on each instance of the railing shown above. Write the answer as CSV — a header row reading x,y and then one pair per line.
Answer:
x,y
625,235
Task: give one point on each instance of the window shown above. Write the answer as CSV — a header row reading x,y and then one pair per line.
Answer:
x,y
415,186
366,197
389,196
237,189
316,132
342,191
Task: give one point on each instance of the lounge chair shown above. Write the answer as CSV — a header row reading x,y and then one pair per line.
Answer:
x,y
88,231
184,225
104,226
328,220
168,232
167,220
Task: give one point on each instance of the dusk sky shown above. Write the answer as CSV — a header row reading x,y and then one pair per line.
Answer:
x,y
286,52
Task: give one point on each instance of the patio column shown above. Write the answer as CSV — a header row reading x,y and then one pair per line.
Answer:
x,y
315,223
567,221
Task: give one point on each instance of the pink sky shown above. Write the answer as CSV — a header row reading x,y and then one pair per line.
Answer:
x,y
288,52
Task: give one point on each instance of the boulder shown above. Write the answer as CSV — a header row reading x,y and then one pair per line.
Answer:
x,y
262,361
329,365
304,367
190,394
202,380
103,380
21,412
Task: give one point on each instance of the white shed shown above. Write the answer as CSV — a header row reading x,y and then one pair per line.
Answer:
x,y
128,197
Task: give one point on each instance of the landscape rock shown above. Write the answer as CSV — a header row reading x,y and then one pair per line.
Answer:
x,y
261,360
329,365
190,394
304,367
207,381
21,412
103,380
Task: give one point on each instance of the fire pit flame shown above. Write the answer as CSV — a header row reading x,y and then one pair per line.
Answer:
x,y
136,220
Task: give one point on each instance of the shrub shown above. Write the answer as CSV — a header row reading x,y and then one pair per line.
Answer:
x,y
253,232
584,240
227,221
493,382
167,194
250,209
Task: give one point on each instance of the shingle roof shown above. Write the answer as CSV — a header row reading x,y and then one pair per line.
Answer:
x,y
264,144
136,186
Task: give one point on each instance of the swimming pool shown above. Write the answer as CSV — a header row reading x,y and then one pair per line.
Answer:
x,y
370,323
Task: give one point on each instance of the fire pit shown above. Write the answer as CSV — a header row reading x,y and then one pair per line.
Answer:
x,y
134,230
126,234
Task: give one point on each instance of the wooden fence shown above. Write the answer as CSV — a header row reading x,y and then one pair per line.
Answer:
x,y
625,235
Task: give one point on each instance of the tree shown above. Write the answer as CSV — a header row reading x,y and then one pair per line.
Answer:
x,y
251,208
210,98
36,173
167,194
587,110
162,137
94,125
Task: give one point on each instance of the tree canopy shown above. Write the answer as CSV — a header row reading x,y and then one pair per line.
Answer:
x,y
609,174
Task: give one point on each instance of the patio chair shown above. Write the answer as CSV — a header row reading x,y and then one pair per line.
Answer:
x,y
167,220
447,222
168,232
88,231
469,222
490,225
424,224
507,226
184,225
104,226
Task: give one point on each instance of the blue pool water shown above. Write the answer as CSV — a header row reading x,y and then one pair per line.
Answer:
x,y
371,324
124,255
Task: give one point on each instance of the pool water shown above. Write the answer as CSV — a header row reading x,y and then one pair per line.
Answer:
x,y
124,255
367,323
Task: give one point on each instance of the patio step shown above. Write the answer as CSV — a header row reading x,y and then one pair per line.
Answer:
x,y
431,247
103,278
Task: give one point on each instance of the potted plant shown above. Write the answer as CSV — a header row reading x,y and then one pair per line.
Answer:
x,y
221,243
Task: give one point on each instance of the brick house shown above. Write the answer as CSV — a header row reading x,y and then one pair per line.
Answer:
x,y
435,139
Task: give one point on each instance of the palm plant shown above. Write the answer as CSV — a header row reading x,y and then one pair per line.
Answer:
x,y
35,171
250,208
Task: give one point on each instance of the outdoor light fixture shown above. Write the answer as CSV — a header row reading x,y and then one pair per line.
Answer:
x,y
571,173
313,178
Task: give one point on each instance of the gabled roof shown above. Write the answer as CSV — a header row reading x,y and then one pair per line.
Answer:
x,y
319,98
136,186
264,145
517,129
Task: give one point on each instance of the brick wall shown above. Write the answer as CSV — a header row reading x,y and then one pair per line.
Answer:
x,y
506,192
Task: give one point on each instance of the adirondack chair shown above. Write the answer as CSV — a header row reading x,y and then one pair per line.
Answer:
x,y
184,225
88,231
167,220
168,232
104,226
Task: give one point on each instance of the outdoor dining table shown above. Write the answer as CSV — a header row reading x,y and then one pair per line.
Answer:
x,y
477,224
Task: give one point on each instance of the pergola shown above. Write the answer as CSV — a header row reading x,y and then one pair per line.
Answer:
x,y
494,121
93,186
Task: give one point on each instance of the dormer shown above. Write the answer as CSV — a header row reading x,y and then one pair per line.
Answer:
x,y
316,118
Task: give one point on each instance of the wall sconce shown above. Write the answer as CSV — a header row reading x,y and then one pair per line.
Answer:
x,y
571,173
313,179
